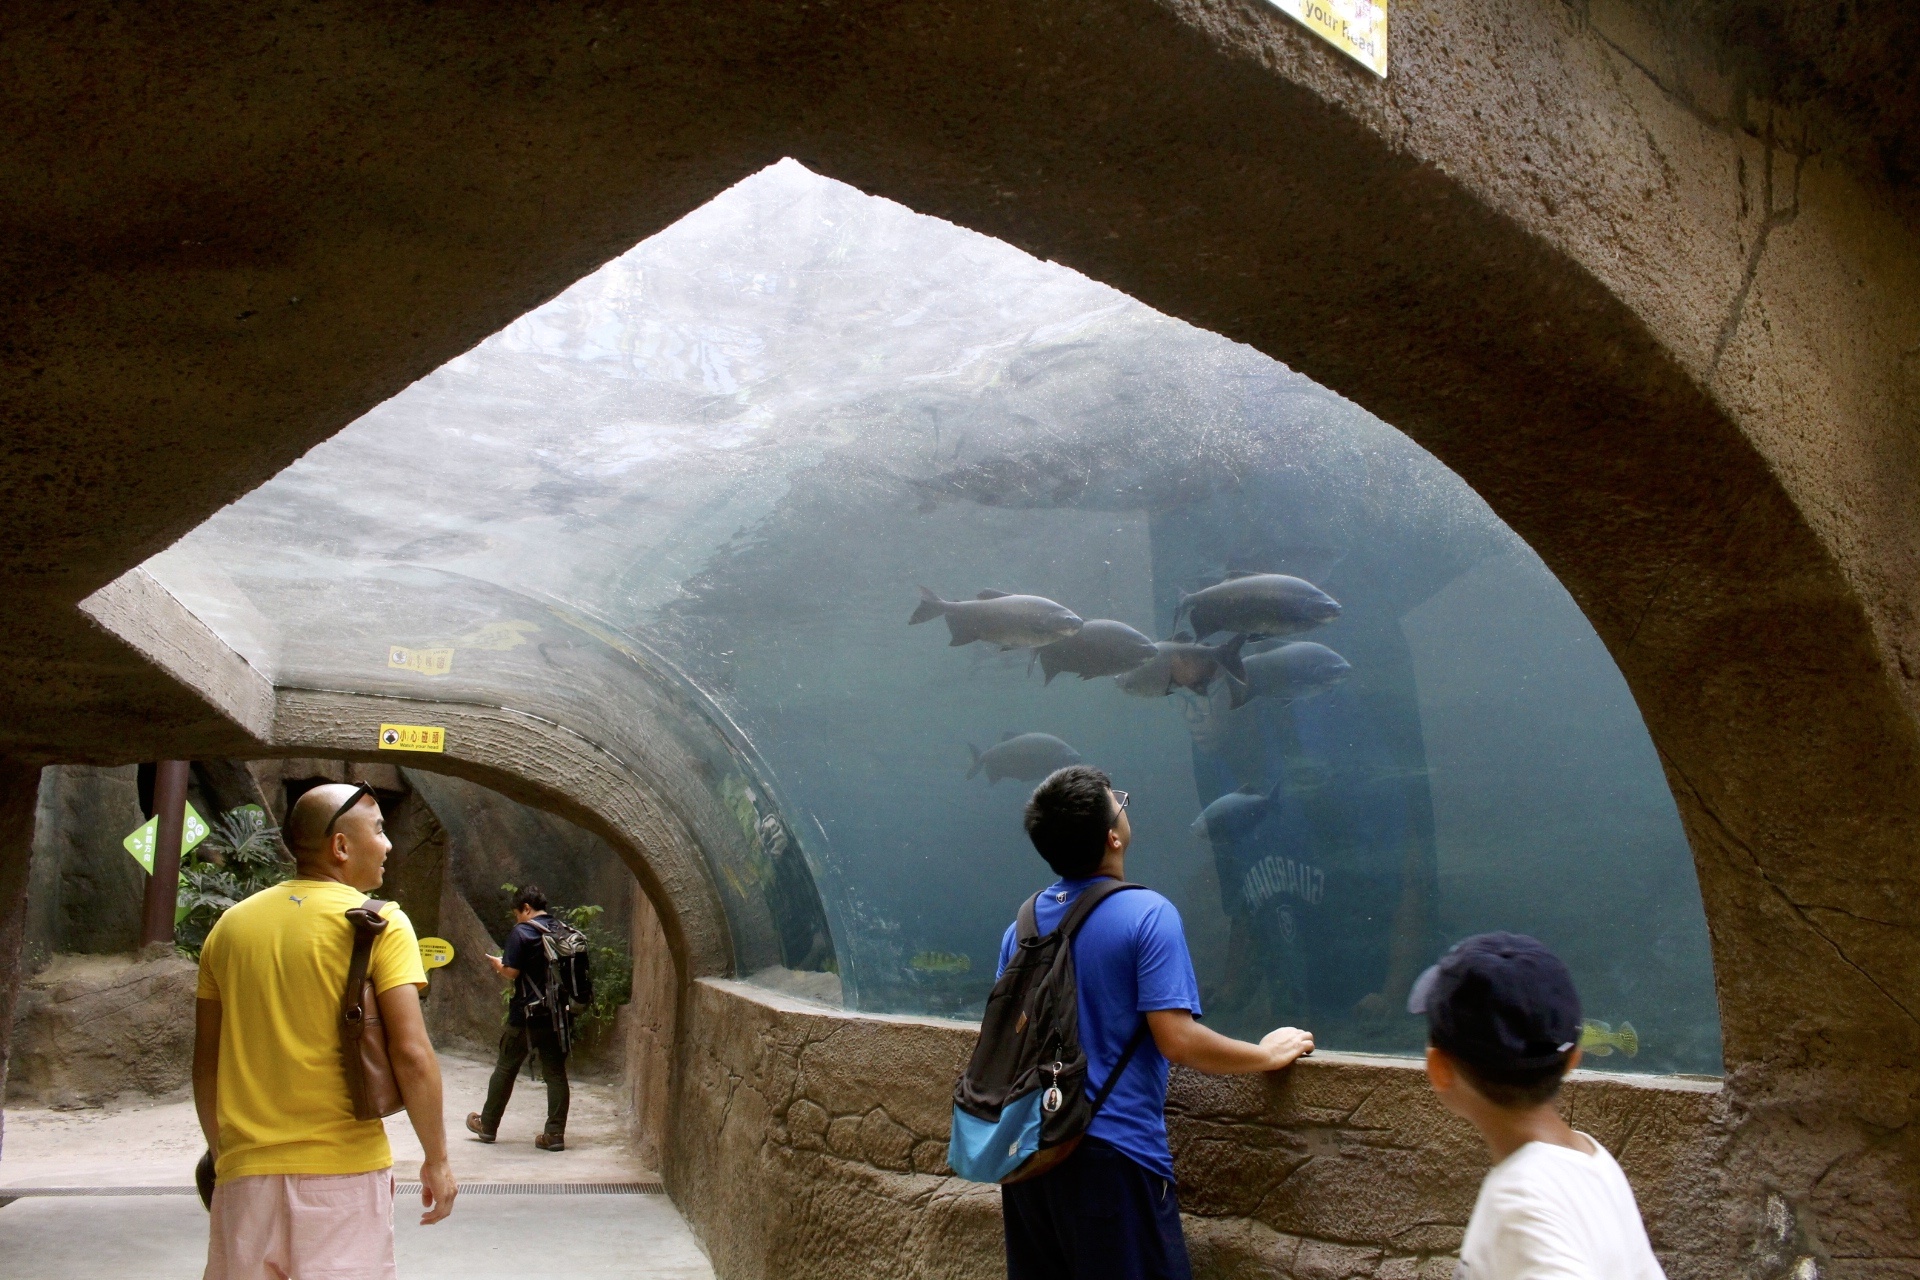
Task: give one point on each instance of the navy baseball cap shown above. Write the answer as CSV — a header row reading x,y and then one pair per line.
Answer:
x,y
1500,1002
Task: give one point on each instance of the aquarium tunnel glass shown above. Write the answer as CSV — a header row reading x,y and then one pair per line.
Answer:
x,y
700,495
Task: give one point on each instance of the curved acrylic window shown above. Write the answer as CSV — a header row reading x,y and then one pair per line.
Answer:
x,y
697,494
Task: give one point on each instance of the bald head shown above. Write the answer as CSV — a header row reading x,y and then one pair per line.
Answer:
x,y
353,851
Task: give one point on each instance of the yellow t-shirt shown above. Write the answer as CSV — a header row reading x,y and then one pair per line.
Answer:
x,y
277,963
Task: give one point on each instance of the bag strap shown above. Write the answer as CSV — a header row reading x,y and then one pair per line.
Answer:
x,y
1119,1068
367,925
1026,927
1083,906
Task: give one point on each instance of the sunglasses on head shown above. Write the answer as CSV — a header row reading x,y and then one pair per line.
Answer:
x,y
359,789
1119,796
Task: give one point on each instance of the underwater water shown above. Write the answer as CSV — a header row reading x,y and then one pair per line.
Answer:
x,y
705,492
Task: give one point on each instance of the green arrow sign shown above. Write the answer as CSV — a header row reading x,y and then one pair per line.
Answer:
x,y
140,843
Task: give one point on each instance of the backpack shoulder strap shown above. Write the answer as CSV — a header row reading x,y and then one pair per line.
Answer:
x,y
1083,905
1026,928
1138,1038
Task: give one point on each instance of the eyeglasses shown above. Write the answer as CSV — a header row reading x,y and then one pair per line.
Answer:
x,y
1119,797
360,789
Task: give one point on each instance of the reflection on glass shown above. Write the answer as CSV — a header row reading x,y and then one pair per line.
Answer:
x,y
875,521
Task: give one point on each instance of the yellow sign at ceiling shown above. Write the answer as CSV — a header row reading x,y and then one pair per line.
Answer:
x,y
1357,28
412,737
428,662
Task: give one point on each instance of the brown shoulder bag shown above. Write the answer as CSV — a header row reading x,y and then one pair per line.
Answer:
x,y
363,1036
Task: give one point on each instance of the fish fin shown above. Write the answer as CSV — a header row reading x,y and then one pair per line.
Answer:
x,y
977,757
1273,792
1183,636
1245,573
1228,656
931,606
1033,658
1009,648
1182,606
1239,693
960,631
991,594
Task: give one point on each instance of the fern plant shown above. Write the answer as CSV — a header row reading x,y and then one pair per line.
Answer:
x,y
240,856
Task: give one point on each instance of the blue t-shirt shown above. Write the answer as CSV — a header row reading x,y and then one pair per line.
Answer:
x,y
1130,958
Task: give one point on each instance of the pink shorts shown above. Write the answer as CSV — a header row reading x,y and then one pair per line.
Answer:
x,y
303,1226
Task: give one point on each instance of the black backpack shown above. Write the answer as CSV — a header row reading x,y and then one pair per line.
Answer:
x,y
1022,1105
569,985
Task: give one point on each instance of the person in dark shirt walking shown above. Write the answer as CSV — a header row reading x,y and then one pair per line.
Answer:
x,y
530,1026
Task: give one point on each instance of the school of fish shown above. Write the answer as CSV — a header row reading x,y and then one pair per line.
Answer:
x,y
1245,607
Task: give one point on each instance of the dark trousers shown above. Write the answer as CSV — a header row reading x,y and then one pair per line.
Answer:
x,y
1099,1216
515,1043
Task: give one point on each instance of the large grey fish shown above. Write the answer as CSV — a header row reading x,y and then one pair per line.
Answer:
x,y
1181,664
1027,757
1268,604
1235,814
1012,622
1297,670
1102,647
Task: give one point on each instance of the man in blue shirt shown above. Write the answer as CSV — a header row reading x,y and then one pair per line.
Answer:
x,y
1109,1212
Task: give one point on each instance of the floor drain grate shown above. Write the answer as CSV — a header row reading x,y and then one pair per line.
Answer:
x,y
406,1188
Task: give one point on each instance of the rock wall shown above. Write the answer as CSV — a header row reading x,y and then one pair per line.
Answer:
x,y
89,1028
808,1142
85,890
646,1029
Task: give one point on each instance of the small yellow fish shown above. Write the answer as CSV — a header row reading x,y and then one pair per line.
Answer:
x,y
941,962
1599,1039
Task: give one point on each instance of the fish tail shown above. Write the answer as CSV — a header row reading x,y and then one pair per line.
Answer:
x,y
1239,693
976,760
931,606
1628,1039
1228,655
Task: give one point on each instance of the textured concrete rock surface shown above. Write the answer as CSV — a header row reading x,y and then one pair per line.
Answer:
x,y
1650,287
90,1028
809,1141
86,890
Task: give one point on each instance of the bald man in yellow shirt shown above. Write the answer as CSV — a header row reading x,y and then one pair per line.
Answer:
x,y
303,1188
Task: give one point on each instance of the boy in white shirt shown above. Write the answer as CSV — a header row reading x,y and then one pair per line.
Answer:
x,y
1503,1027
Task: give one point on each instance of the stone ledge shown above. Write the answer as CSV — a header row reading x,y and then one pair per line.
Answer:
x,y
810,1139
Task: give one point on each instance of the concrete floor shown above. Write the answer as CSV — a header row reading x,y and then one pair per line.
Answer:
x,y
154,1144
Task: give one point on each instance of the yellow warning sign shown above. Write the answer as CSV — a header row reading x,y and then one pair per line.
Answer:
x,y
412,737
1357,28
436,953
428,662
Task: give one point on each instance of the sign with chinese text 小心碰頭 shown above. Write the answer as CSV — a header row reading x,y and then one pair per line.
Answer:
x,y
412,737
428,662
1357,28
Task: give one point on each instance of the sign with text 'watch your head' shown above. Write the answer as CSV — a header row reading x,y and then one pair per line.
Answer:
x,y
1357,28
